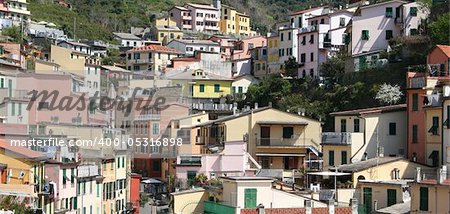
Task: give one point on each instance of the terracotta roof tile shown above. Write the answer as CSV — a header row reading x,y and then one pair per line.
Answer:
x,y
22,151
445,49
156,48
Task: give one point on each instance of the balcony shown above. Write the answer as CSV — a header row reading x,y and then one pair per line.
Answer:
x,y
432,100
146,117
211,27
187,17
212,107
344,138
186,26
283,142
211,19
141,61
17,94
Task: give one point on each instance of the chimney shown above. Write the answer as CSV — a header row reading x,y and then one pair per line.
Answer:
x,y
331,206
308,206
354,205
442,174
261,209
418,174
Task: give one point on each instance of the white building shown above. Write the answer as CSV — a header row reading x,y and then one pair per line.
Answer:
x,y
89,189
92,79
298,19
196,17
248,192
374,25
76,46
129,40
188,47
320,40
287,43
242,82
18,11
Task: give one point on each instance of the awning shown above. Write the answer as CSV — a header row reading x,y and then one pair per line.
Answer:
x,y
151,181
329,173
277,122
280,155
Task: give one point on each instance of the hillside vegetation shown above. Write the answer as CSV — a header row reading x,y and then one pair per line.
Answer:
x,y
97,19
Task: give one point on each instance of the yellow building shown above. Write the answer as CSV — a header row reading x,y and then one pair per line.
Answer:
x,y
189,201
233,22
273,65
201,84
381,168
109,180
69,60
276,139
430,193
20,168
433,136
149,61
165,30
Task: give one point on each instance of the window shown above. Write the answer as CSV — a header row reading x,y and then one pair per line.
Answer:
x,y
388,34
447,122
289,36
392,128
216,88
413,32
202,88
281,36
240,90
341,22
136,56
288,132
415,102
155,129
72,175
365,35
413,11
312,57
356,126
13,109
250,198
423,199
302,58
191,176
391,197
156,166
343,125
389,12
64,176
98,190
311,39
434,130
304,40
311,72
343,157
414,134
331,158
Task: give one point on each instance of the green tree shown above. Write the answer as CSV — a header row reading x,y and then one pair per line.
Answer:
x,y
440,30
11,203
291,67
14,33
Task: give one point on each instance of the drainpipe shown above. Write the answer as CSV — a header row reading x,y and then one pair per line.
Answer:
x,y
364,139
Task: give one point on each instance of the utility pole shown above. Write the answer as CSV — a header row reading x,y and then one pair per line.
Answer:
x,y
74,27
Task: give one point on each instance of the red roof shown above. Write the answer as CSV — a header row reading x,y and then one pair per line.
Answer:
x,y
445,49
22,151
155,48
305,11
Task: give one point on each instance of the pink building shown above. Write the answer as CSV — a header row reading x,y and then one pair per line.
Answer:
x,y
233,160
242,47
196,17
226,46
41,110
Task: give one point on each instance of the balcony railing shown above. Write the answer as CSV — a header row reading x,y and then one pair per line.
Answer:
x,y
432,100
417,82
212,106
212,19
283,142
18,94
344,138
141,61
146,117
187,17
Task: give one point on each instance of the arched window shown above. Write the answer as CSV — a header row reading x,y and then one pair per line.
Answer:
x,y
361,178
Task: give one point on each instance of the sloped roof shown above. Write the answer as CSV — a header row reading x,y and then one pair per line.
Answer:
x,y
305,11
127,36
23,152
382,109
196,42
115,68
202,6
155,48
188,76
445,49
75,43
366,164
